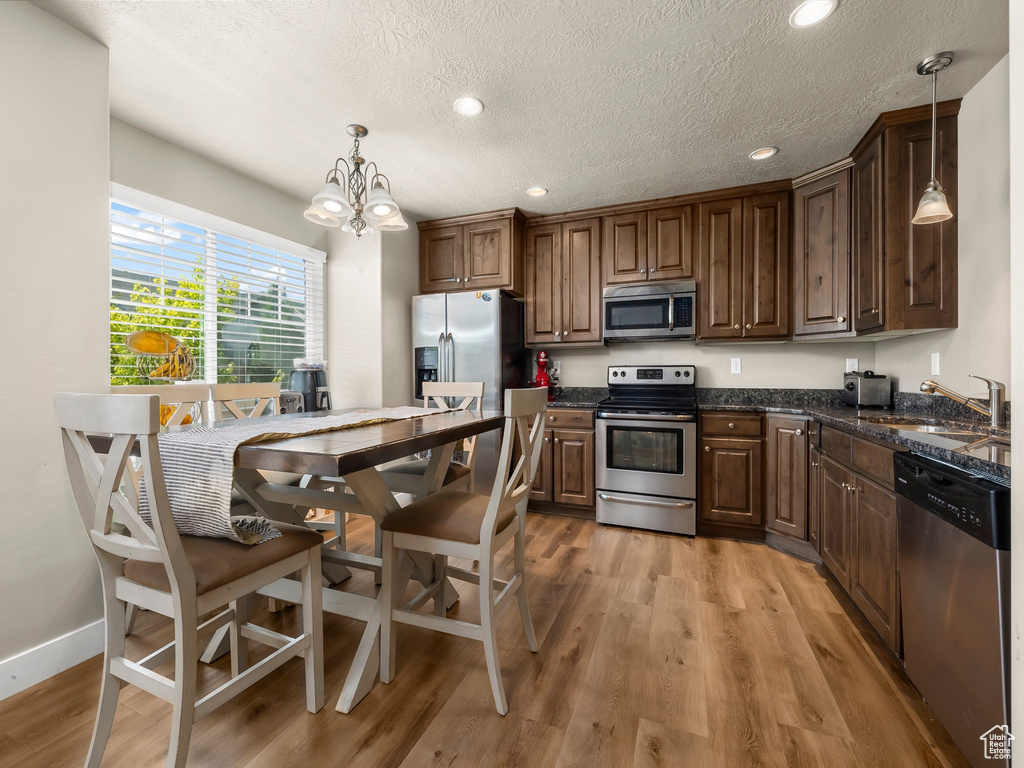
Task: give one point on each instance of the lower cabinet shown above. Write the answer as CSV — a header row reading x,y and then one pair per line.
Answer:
x,y
835,520
786,476
565,472
730,481
542,486
814,498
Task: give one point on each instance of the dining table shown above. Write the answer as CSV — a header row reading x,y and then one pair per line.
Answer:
x,y
341,473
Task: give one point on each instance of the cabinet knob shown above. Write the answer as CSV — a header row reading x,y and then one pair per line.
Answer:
x,y
467,278
844,486
736,327
642,270
556,441
458,279
874,311
731,425
814,464
547,439
840,319
799,432
551,418
749,326
653,270
565,333
558,333
707,449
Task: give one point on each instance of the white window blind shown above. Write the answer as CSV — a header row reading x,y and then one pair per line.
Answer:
x,y
244,302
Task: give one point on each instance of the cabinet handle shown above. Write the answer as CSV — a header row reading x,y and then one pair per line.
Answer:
x,y
707,449
551,418
642,270
799,432
556,441
558,333
458,279
547,439
840,319
731,425
653,270
874,311
749,326
736,327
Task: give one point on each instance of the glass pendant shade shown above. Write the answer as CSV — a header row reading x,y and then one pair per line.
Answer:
x,y
331,200
321,218
379,204
394,224
933,207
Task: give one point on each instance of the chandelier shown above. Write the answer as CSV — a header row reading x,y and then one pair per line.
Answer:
x,y
345,202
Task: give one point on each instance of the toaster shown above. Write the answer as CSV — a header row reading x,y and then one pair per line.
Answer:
x,y
291,402
867,389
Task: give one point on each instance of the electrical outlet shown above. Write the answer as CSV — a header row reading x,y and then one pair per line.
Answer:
x,y
935,364
852,364
556,369
737,366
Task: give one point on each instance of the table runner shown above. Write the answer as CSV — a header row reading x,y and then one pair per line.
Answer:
x,y
199,464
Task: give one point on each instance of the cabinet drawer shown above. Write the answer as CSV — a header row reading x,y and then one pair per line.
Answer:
x,y
872,460
731,424
836,444
573,418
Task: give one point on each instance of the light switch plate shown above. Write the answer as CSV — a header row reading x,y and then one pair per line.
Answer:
x,y
852,363
737,366
935,364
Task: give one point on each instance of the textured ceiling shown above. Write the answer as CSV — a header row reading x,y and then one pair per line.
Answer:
x,y
600,101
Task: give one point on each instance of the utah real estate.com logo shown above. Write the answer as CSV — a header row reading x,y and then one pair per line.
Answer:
x,y
997,742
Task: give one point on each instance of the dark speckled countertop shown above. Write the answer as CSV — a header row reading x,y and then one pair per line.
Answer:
x,y
978,447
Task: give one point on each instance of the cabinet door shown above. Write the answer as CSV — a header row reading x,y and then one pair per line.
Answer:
x,y
721,266
765,282
581,280
814,499
821,255
488,261
441,259
672,243
542,485
624,241
730,475
835,520
868,238
573,467
873,579
786,477
544,284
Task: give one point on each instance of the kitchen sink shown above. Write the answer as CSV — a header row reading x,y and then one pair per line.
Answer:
x,y
934,429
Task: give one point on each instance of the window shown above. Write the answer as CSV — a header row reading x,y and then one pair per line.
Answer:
x,y
244,302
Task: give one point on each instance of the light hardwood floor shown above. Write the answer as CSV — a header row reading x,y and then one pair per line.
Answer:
x,y
655,650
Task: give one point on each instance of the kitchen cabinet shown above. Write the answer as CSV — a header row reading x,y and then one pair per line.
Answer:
x,y
814,498
542,486
644,246
821,255
563,282
730,482
904,275
835,520
744,267
873,573
573,467
478,252
786,476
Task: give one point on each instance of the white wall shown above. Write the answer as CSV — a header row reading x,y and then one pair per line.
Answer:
x,y
54,82
148,163
400,279
800,366
981,345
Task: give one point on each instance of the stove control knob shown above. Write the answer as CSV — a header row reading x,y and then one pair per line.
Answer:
x,y
615,373
678,374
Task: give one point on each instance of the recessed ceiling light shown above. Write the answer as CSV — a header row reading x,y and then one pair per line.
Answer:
x,y
764,153
536,191
811,12
469,106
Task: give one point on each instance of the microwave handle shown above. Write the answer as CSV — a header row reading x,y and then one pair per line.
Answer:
x,y
671,313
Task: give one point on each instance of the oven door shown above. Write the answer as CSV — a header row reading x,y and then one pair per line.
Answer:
x,y
655,455
664,316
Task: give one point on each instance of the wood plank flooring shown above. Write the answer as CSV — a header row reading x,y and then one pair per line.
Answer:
x,y
655,650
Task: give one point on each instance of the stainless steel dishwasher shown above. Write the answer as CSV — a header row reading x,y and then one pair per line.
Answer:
x,y
954,560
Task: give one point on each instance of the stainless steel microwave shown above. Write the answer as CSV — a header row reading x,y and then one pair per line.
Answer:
x,y
650,312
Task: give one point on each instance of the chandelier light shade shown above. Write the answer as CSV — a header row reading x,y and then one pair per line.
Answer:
x,y
348,201
933,207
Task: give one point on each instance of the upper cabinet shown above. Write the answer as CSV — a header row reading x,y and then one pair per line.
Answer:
x,y
821,255
563,282
658,244
744,267
472,253
904,275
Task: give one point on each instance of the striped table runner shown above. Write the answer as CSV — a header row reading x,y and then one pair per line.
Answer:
x,y
199,466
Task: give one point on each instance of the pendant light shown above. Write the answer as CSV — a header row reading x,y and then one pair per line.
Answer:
x,y
933,207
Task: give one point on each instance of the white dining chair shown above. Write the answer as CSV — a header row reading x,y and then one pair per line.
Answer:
x,y
181,577
455,523
245,401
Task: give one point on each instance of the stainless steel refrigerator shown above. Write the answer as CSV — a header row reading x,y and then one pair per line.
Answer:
x,y
471,336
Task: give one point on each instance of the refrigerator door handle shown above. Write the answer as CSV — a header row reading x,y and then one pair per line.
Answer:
x,y
450,366
440,357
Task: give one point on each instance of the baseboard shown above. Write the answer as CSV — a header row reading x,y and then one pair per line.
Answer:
x,y
29,667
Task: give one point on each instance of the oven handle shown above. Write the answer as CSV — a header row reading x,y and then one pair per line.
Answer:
x,y
647,502
610,416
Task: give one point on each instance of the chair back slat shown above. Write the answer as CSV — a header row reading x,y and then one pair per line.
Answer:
x,y
110,481
181,399
436,394
266,399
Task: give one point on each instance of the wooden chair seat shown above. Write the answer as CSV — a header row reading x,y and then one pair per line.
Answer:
x,y
217,562
448,515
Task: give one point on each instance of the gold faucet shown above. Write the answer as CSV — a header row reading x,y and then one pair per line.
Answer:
x,y
996,392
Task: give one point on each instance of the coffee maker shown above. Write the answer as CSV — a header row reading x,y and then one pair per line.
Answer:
x,y
313,386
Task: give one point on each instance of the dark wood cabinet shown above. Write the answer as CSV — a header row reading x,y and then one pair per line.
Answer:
x,y
835,520
904,275
720,294
730,482
672,243
814,498
786,476
573,467
624,241
542,486
873,573
563,282
744,267
477,252
821,255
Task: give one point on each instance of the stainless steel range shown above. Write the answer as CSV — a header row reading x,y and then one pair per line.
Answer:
x,y
647,448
